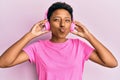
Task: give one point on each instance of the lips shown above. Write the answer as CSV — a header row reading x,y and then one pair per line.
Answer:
x,y
62,30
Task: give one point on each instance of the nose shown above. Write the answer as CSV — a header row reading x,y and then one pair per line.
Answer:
x,y
62,23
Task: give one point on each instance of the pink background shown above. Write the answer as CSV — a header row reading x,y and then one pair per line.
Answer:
x,y
101,17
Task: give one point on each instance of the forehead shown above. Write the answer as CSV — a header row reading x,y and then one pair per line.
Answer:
x,y
61,13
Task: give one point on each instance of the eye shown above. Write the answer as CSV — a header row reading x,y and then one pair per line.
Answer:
x,y
67,20
56,19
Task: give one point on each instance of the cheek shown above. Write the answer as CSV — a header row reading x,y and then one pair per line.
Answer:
x,y
54,26
68,26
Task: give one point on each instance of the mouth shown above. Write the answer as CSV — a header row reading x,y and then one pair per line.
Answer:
x,y
62,30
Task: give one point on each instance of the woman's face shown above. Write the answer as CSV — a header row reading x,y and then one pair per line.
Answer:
x,y
60,22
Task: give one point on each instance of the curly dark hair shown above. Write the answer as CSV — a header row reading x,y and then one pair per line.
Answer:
x,y
59,5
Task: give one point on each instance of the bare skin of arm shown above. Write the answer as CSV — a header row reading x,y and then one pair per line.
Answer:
x,y
15,55
101,54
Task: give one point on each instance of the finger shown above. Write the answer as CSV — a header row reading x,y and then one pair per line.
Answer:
x,y
79,29
74,32
46,31
43,32
41,22
78,23
35,27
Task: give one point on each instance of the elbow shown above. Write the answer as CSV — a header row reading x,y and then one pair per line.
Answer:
x,y
4,66
112,64
115,64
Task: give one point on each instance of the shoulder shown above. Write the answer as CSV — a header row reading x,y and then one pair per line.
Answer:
x,y
36,43
80,42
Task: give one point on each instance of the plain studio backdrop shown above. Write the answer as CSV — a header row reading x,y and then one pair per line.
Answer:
x,y
101,17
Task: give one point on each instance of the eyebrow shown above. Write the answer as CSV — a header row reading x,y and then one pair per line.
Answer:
x,y
60,17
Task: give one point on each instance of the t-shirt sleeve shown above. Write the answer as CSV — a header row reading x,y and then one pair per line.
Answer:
x,y
87,50
30,50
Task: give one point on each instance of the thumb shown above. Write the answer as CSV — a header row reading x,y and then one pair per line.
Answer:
x,y
43,32
74,32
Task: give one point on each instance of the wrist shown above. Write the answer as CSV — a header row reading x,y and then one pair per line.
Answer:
x,y
30,36
88,36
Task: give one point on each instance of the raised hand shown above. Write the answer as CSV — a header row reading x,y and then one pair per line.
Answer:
x,y
39,28
81,30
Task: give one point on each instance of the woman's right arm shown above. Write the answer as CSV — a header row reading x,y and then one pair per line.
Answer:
x,y
15,55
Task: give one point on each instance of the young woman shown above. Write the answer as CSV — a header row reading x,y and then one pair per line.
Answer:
x,y
59,58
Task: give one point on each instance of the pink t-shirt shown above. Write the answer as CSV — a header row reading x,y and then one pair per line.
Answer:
x,y
59,61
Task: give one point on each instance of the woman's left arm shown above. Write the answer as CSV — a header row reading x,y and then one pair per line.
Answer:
x,y
101,54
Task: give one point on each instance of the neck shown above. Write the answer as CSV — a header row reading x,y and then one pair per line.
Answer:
x,y
58,40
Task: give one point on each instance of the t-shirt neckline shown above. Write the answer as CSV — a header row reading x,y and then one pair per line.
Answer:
x,y
57,43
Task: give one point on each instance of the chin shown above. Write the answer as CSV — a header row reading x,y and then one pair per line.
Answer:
x,y
62,36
